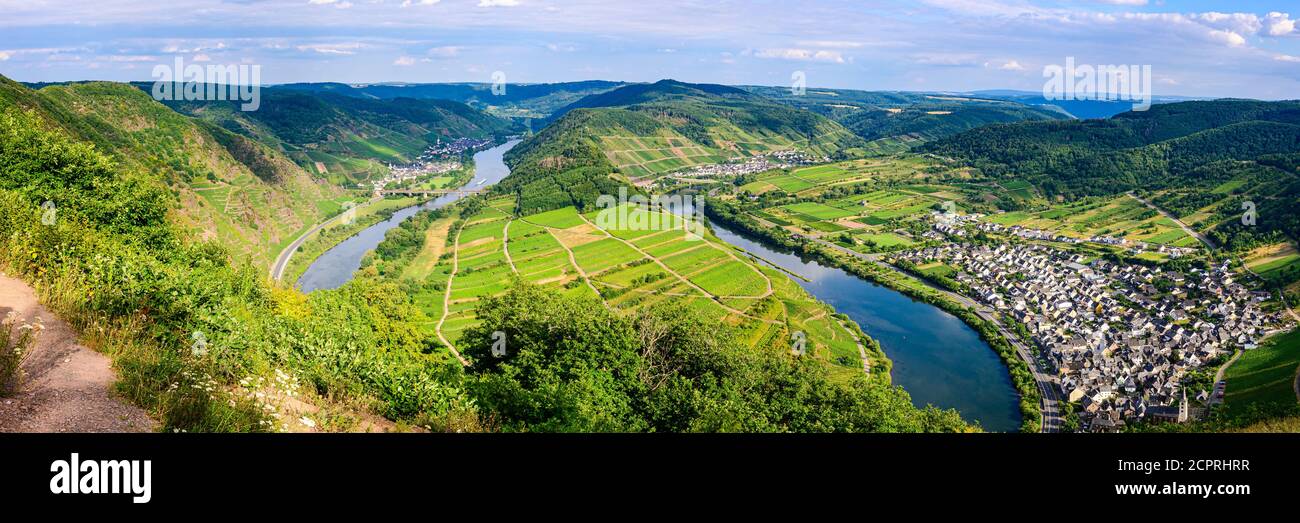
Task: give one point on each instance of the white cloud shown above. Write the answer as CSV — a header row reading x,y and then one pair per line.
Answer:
x,y
833,44
336,3
1228,37
1279,24
404,61
1287,58
339,49
202,58
806,55
498,3
409,3
447,51
4,56
1012,66
945,59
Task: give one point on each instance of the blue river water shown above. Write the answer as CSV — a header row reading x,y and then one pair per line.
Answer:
x,y
937,358
335,267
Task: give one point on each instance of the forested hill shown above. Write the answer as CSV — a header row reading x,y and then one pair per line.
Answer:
x,y
1206,156
330,134
893,121
1150,149
640,132
221,186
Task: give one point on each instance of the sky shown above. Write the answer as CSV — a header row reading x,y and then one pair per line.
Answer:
x,y
1243,48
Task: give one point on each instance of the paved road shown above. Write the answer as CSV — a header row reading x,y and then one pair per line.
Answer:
x,y
282,261
1190,231
1047,388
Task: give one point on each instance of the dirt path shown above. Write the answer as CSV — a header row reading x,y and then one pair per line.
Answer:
x,y
446,298
505,245
67,385
1209,244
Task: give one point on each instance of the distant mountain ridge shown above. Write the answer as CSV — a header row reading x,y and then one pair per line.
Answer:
x,y
894,121
515,101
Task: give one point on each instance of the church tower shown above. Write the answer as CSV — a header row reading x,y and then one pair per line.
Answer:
x,y
1182,408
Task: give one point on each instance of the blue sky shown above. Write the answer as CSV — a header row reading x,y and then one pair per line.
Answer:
x,y
1248,48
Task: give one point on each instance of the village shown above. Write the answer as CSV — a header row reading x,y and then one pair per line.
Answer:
x,y
1119,338
953,224
756,164
439,158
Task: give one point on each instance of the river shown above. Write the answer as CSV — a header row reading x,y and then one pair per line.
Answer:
x,y
937,358
335,267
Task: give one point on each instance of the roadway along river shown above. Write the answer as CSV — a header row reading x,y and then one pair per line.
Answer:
x,y
335,267
937,358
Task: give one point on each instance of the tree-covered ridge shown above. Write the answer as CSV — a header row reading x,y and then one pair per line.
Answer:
x,y
931,121
334,135
1137,150
895,121
223,186
669,124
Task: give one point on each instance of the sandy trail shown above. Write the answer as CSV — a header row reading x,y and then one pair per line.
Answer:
x,y
68,385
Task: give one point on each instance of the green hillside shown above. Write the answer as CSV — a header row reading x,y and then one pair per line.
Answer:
x,y
640,132
897,121
344,138
1205,162
223,186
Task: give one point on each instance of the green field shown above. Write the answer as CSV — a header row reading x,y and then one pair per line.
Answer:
x,y
818,211
1266,374
1276,268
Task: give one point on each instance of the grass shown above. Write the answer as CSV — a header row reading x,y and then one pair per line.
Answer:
x,y
559,218
16,339
1266,374
1275,268
819,211
887,239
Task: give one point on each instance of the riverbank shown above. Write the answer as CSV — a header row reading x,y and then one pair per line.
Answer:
x,y
1022,377
330,233
342,253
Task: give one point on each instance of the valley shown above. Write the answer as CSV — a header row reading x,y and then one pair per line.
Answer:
x,y
817,267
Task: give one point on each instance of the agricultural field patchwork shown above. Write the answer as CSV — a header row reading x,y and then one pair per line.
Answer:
x,y
628,267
